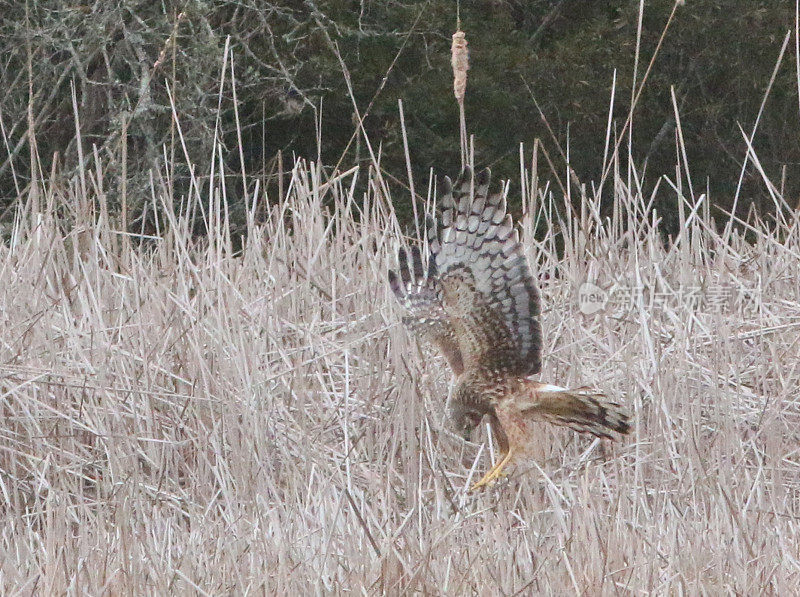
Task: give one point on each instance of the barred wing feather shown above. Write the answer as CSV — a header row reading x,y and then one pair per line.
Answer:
x,y
417,291
484,283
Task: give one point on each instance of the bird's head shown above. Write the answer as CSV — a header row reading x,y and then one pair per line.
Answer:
x,y
464,418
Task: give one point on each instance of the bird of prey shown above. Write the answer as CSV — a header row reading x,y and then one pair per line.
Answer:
x,y
477,301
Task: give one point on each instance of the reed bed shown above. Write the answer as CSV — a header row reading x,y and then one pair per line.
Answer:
x,y
213,415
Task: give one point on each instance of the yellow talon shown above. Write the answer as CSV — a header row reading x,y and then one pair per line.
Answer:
x,y
494,473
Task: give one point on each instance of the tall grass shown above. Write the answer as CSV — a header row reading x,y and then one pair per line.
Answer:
x,y
181,417
217,414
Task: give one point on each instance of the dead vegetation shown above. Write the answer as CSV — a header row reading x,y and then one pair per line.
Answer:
x,y
178,416
239,411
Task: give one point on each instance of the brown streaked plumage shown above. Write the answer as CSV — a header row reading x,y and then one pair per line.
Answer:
x,y
478,303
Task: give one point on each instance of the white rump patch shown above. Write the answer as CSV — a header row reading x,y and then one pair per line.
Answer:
x,y
551,388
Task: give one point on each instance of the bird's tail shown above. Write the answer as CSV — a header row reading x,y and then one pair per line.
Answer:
x,y
584,409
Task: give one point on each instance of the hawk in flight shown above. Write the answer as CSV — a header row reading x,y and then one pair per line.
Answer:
x,y
478,303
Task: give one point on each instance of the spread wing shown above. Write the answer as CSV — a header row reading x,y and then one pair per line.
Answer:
x,y
483,281
417,291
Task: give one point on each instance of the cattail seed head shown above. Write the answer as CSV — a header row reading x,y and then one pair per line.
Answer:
x,y
459,58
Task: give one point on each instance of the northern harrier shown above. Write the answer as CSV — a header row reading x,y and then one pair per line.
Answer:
x,y
478,302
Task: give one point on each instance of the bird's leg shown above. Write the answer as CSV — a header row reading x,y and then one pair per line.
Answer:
x,y
495,472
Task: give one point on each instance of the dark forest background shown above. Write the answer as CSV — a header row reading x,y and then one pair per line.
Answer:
x,y
125,58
